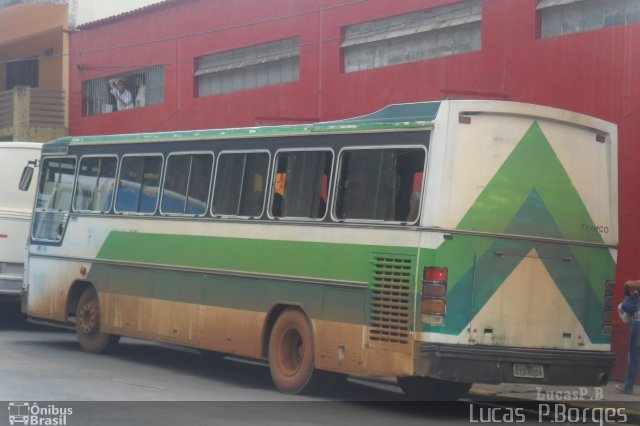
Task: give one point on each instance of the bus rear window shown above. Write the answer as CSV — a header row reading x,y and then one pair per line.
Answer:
x,y
379,184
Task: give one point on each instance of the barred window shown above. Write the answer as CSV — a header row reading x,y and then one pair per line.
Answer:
x,y
562,17
249,68
146,87
413,37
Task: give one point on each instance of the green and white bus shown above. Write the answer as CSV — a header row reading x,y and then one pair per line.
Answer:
x,y
442,243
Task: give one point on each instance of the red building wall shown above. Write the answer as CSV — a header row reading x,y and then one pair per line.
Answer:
x,y
592,72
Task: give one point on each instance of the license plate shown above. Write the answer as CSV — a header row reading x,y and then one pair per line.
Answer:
x,y
530,371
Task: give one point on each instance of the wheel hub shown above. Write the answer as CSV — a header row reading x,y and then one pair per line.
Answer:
x,y
292,351
88,317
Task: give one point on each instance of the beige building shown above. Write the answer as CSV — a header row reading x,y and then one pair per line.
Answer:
x,y
34,70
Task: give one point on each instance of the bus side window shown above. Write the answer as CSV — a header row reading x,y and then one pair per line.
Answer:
x,y
186,184
96,177
378,184
138,184
53,201
300,184
240,184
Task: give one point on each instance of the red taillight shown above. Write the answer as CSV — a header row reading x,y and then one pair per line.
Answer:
x,y
434,290
435,275
434,295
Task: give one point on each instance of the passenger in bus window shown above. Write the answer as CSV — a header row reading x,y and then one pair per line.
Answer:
x,y
634,345
122,95
414,199
414,205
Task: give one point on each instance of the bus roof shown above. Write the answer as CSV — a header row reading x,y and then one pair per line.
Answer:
x,y
398,116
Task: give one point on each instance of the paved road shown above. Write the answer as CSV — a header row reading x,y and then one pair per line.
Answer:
x,y
148,383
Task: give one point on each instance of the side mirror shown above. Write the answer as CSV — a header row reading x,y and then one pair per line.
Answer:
x,y
25,179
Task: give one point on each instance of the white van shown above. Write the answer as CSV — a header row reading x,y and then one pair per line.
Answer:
x,y
15,213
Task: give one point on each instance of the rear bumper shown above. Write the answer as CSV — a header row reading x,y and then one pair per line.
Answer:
x,y
486,364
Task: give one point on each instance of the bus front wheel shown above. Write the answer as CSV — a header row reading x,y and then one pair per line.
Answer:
x,y
429,389
291,354
88,332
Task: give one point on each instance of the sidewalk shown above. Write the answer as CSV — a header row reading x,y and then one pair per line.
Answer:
x,y
584,397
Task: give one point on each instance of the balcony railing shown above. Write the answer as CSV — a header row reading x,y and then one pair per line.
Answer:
x,y
32,114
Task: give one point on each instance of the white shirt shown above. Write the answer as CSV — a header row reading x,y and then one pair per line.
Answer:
x,y
124,99
140,96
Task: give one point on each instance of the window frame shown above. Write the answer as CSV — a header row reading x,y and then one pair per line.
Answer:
x,y
545,8
215,179
379,147
211,179
46,210
329,184
426,30
202,73
128,75
162,167
115,189
73,188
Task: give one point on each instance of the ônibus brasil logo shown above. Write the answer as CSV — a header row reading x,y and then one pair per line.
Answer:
x,y
26,413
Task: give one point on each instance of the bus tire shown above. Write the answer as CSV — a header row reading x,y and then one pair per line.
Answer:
x,y
430,389
291,354
88,332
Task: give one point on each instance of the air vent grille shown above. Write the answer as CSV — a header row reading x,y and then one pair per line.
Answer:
x,y
390,301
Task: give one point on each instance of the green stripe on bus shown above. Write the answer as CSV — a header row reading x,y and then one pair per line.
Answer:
x,y
341,262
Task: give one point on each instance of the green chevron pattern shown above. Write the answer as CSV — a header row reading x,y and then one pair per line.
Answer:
x,y
530,195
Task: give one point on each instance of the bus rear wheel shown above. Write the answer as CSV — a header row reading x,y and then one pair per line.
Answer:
x,y
291,354
429,389
88,332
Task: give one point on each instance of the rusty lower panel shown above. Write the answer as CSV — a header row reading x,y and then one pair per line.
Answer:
x,y
47,301
339,346
381,363
219,329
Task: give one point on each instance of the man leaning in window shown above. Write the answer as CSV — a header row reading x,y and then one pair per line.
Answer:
x,y
122,95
